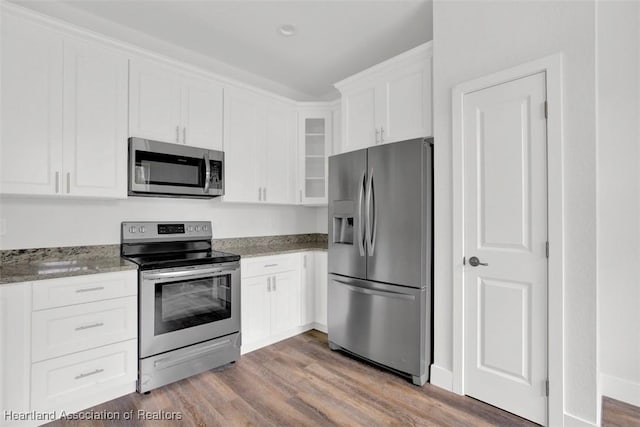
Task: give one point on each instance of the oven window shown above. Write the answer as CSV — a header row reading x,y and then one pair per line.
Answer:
x,y
187,303
165,169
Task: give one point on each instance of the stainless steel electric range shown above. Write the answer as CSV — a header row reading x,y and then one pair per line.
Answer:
x,y
189,300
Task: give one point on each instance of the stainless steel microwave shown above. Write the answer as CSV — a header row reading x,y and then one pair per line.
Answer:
x,y
161,169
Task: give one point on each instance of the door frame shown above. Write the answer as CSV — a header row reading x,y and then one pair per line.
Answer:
x,y
553,67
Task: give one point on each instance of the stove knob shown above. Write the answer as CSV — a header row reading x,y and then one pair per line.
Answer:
x,y
132,230
204,228
190,228
197,228
141,229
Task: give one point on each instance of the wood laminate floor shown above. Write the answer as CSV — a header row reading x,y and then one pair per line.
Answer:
x,y
300,382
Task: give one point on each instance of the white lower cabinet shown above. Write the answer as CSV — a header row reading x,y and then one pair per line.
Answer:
x,y
270,300
67,344
321,279
313,290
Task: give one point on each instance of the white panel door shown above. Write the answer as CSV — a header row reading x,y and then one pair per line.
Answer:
x,y
307,288
321,281
285,301
242,159
30,156
202,114
505,217
359,119
155,102
255,310
407,105
278,169
95,121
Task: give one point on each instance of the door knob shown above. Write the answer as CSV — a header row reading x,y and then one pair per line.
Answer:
x,y
474,262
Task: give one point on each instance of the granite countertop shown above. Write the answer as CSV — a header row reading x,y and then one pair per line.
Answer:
x,y
26,265
49,263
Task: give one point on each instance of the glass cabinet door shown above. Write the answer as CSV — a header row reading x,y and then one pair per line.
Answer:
x,y
315,141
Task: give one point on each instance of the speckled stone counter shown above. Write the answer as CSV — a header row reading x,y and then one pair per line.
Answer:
x,y
248,247
26,265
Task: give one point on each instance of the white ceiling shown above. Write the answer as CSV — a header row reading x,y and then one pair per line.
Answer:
x,y
335,38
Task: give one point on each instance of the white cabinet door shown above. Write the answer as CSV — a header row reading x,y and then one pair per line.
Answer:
x,y
406,104
279,167
15,342
285,302
240,145
307,288
155,102
95,121
255,310
321,275
359,119
315,131
202,114
30,156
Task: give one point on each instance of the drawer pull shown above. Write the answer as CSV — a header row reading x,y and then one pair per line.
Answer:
x,y
95,325
88,374
271,265
99,288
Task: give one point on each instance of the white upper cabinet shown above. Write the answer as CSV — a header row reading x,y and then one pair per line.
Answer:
x,y
31,156
259,135
95,120
389,102
167,104
64,114
314,146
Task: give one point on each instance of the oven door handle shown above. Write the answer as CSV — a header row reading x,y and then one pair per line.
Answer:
x,y
187,274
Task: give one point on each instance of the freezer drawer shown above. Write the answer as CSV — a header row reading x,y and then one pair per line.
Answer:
x,y
386,324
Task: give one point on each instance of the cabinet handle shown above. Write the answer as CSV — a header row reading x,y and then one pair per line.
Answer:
x,y
184,135
300,196
381,134
57,182
270,265
264,192
259,193
68,182
268,284
88,374
94,325
274,283
97,288
178,134
377,135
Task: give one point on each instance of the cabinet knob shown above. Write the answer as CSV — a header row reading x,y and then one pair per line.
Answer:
x,y
178,134
377,135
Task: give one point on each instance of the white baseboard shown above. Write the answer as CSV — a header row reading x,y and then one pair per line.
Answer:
x,y
441,377
620,389
320,327
573,421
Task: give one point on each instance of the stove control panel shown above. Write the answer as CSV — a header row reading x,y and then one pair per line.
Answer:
x,y
165,231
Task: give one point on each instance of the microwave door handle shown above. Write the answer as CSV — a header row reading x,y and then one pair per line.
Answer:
x,y
207,174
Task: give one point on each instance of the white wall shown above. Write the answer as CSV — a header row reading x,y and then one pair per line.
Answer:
x,y
41,222
472,39
618,192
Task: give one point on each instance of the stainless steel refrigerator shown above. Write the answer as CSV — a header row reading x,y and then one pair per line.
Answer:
x,y
380,255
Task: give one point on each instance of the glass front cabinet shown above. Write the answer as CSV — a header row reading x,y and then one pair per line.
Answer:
x,y
315,132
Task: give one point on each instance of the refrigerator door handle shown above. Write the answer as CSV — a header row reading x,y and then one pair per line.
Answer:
x,y
374,226
370,225
361,233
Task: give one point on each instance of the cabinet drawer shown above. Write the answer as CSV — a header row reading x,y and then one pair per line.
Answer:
x,y
269,265
65,330
80,289
72,380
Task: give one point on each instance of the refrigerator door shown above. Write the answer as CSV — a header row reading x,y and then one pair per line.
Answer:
x,y
398,205
383,323
347,250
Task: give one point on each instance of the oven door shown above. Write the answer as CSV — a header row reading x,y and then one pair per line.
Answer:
x,y
159,168
187,305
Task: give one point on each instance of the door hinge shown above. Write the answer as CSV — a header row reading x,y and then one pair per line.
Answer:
x,y
546,387
546,249
546,110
